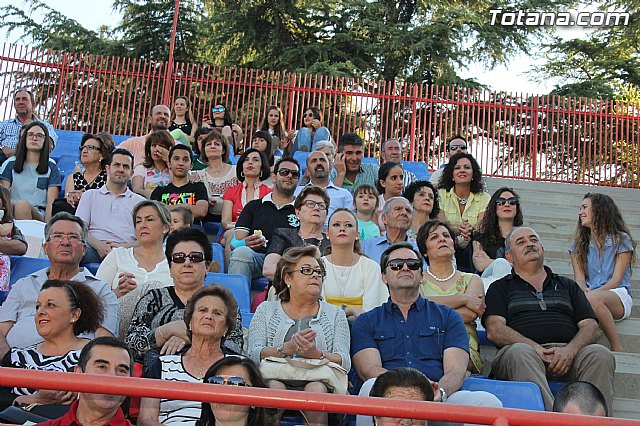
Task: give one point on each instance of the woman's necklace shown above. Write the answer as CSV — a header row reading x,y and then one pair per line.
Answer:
x,y
319,238
342,285
441,280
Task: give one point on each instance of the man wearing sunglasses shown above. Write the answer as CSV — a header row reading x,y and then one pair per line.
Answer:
x,y
260,218
410,331
23,102
349,172
543,324
455,144
159,119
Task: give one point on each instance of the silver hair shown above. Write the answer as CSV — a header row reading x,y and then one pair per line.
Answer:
x,y
324,144
70,218
384,144
507,240
387,206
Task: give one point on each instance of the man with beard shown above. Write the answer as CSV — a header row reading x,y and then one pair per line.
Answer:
x,y
23,102
98,207
318,171
105,356
543,324
159,119
260,218
181,192
349,171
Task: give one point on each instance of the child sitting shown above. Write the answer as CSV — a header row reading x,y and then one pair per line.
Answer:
x,y
365,200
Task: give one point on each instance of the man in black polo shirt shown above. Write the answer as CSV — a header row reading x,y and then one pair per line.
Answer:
x,y
260,218
181,192
543,324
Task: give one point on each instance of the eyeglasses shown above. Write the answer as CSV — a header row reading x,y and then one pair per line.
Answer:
x,y
541,302
458,147
194,257
306,270
218,109
308,114
284,172
397,264
58,238
89,147
36,136
231,381
313,204
512,201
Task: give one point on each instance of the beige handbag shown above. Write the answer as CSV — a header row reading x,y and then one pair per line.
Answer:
x,y
311,370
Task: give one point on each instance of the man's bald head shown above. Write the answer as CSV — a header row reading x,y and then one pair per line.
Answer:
x,y
580,398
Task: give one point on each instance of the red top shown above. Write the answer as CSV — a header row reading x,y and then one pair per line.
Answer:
x,y
234,194
70,419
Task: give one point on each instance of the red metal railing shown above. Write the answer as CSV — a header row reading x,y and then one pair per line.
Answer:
x,y
549,138
293,400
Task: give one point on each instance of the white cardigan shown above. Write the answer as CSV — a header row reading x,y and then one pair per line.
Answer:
x,y
270,324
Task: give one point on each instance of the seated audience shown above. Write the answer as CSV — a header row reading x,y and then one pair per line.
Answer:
x,y
23,103
454,145
181,218
601,255
396,216
234,371
125,267
424,199
157,325
260,218
218,176
409,330
349,172
180,191
503,213
222,122
65,237
274,124
95,152
401,383
12,242
389,183
159,118
463,202
154,171
329,149
64,310
311,207
98,208
107,356
550,332
182,118
311,131
33,178
318,170
580,398
300,324
209,315
262,142
199,157
391,150
442,283
365,201
353,281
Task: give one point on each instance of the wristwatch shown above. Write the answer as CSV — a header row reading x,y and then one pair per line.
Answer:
x,y
281,352
443,395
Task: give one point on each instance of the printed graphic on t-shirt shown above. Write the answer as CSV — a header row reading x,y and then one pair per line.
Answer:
x,y
173,199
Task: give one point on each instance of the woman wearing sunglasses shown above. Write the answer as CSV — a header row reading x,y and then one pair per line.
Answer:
x,y
221,121
210,315
444,284
300,324
503,213
311,131
157,326
234,371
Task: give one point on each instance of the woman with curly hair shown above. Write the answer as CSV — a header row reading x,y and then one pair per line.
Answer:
x,y
601,256
463,202
423,196
503,213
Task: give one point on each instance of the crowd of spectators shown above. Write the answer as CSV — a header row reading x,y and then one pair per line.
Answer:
x,y
370,268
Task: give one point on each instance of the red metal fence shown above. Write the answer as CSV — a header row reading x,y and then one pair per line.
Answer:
x,y
548,138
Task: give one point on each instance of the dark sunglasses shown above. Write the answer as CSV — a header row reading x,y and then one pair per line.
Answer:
x,y
397,264
194,257
284,172
231,381
217,109
541,302
457,147
308,114
512,201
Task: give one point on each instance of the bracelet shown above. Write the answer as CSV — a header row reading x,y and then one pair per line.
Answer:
x,y
160,333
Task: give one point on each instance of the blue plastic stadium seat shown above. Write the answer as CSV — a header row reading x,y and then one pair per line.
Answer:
x,y
66,163
234,159
218,255
301,157
370,160
418,168
237,284
259,284
21,266
68,143
213,228
118,139
246,319
482,336
522,395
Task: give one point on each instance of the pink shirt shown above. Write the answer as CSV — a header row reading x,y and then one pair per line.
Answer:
x,y
135,145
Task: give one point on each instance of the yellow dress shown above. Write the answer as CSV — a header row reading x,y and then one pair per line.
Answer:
x,y
430,289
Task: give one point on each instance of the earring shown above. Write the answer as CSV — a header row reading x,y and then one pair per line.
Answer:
x,y
288,285
242,174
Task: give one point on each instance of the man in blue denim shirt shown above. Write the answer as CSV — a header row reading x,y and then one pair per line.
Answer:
x,y
410,331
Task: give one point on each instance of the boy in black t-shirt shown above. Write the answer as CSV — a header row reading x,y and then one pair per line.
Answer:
x,y
180,192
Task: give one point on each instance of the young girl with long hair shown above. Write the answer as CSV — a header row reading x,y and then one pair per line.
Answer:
x,y
182,117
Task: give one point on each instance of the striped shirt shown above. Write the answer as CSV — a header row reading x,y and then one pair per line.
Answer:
x,y
10,131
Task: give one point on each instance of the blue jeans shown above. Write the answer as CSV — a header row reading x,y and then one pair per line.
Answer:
x,y
304,141
91,256
246,262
